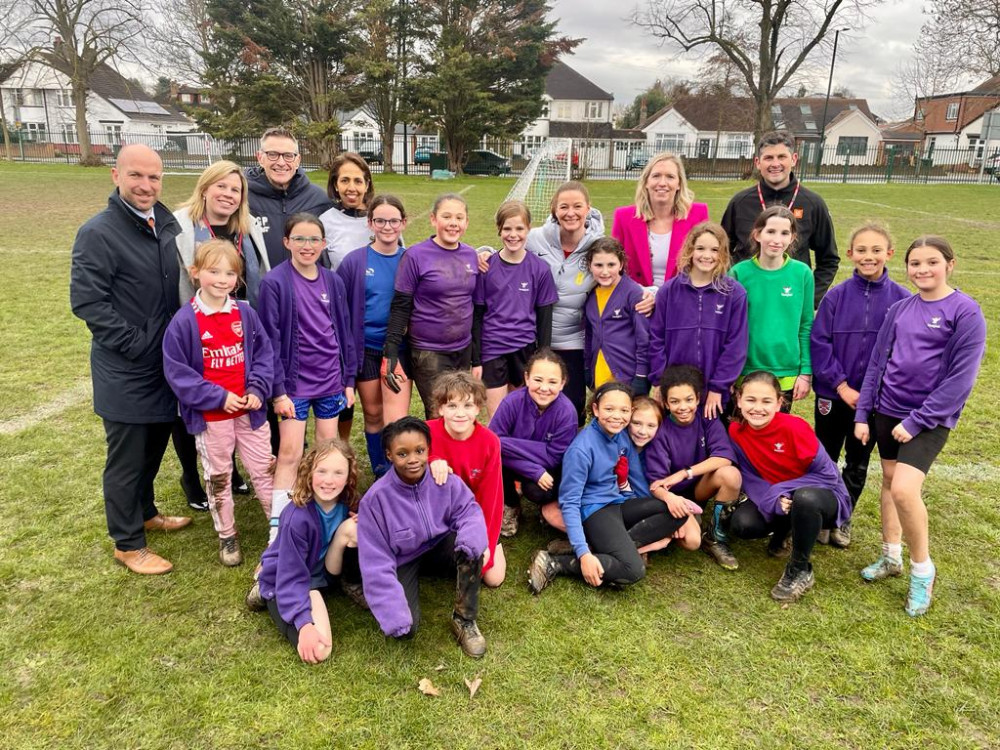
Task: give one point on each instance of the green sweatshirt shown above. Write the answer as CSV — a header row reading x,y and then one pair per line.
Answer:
x,y
779,317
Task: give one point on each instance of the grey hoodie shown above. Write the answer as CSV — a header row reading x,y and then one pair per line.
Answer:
x,y
573,281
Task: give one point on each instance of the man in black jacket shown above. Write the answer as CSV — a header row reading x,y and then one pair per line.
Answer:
x,y
123,284
775,160
279,188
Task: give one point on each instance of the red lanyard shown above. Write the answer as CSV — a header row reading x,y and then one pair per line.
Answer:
x,y
239,237
790,203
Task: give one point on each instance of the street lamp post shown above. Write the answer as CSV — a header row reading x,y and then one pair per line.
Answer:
x,y
826,104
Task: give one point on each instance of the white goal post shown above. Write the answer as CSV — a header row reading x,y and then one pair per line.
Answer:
x,y
548,169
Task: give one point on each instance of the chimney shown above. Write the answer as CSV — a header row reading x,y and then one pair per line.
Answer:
x,y
57,43
174,91
643,112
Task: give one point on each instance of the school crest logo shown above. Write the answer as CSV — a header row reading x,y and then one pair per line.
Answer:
x,y
824,405
786,291
779,447
369,271
324,298
719,308
469,268
935,322
237,327
475,473
617,314
548,436
524,287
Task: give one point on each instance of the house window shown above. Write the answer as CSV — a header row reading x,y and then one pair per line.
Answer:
x,y
35,132
852,145
595,110
739,144
64,98
427,141
546,104
673,142
776,116
806,110
187,98
113,132
810,124
952,112
564,111
28,98
69,134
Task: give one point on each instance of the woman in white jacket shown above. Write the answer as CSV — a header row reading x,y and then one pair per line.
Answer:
x,y
216,209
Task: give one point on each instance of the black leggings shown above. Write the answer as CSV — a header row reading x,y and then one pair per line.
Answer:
x,y
813,509
529,489
835,431
616,531
576,385
440,561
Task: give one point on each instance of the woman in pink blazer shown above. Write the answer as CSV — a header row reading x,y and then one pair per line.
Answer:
x,y
652,230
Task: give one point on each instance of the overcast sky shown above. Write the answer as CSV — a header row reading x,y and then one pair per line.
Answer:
x,y
625,60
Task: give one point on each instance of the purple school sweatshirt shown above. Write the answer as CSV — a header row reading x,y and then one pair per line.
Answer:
x,y
675,447
287,564
949,337
620,332
533,442
397,523
844,330
822,472
184,367
278,312
700,326
442,283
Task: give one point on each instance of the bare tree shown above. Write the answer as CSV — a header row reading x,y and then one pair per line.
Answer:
x,y
927,72
12,29
179,34
969,34
766,40
76,37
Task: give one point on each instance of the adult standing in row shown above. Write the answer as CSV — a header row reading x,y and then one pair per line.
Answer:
x,y
217,208
652,230
775,160
280,188
123,284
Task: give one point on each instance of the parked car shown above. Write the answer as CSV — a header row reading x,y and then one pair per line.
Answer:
x,y
422,155
483,161
636,160
372,157
992,167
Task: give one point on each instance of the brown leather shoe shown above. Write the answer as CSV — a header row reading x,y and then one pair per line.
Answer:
x,y
166,523
143,561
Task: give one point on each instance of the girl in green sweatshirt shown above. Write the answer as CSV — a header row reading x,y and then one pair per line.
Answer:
x,y
779,304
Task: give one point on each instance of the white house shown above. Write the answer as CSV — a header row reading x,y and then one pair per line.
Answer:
x,y
39,108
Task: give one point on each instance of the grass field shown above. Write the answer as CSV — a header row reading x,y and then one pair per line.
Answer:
x,y
94,657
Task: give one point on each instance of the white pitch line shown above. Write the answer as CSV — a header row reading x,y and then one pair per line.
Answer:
x,y
72,396
973,222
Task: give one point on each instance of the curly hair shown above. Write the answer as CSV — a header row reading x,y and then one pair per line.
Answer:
x,y
302,492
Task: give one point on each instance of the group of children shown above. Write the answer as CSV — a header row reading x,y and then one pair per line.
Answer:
x,y
727,349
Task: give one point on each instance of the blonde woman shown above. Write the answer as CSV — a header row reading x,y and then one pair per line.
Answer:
x,y
653,229
217,209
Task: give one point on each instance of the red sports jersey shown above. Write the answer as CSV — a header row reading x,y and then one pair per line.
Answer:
x,y
222,354
476,462
781,451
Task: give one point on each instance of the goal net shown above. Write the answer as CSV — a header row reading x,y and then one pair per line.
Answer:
x,y
550,167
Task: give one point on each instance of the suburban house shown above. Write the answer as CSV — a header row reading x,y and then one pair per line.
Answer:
x,y
359,132
953,122
701,126
39,109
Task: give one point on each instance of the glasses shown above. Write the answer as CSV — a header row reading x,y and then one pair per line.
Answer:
x,y
394,223
288,156
301,241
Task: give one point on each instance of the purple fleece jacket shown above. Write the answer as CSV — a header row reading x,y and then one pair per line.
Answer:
x,y
399,522
287,564
352,273
620,332
675,447
533,442
844,330
277,310
700,326
822,472
184,367
953,381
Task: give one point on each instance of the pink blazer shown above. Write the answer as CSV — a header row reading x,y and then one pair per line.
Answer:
x,y
633,234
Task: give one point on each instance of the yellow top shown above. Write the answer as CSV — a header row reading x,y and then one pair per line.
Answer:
x,y
602,373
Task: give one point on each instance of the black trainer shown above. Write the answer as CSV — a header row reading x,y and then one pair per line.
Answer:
x,y
780,546
195,494
793,585
542,571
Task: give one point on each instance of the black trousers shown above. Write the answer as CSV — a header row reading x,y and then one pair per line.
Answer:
x,y
134,455
529,489
813,509
439,562
835,431
576,386
614,534
428,364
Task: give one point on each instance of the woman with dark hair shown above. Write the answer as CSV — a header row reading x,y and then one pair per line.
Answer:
x,y
346,224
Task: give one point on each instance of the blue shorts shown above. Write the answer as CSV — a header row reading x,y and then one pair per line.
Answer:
x,y
326,407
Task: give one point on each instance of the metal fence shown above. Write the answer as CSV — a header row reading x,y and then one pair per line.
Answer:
x,y
591,158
